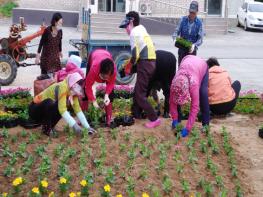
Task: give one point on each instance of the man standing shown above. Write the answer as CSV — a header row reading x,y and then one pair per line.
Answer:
x,y
189,28
144,56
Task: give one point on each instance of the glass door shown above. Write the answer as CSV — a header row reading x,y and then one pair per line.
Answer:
x,y
112,5
214,7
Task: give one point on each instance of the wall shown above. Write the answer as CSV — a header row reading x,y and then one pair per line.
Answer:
x,y
72,5
233,7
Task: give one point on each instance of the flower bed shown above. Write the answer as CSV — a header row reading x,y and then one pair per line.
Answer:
x,y
15,93
8,119
120,91
119,163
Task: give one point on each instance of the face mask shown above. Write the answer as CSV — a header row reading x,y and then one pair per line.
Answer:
x,y
76,90
59,27
129,28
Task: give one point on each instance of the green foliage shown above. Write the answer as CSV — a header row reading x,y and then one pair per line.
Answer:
x,y
249,106
167,185
6,9
26,168
185,186
182,43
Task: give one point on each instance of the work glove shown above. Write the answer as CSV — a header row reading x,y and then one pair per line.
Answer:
x,y
91,131
37,60
174,124
106,100
192,49
95,104
77,129
184,132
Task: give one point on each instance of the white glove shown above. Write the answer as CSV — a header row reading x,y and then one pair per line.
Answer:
x,y
77,129
192,49
37,60
106,100
95,104
69,119
83,120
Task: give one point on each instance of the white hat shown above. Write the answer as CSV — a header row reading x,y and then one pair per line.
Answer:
x,y
74,59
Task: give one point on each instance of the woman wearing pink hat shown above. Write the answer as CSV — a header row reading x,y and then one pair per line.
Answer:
x,y
190,84
50,105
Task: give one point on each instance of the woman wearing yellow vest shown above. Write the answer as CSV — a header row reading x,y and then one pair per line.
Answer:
x,y
50,105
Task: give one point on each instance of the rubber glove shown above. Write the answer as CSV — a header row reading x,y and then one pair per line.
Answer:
x,y
184,132
106,100
174,124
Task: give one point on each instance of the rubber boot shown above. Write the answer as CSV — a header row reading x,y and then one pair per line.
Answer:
x,y
108,110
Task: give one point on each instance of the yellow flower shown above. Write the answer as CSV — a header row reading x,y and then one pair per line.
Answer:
x,y
4,194
192,195
62,180
17,181
83,183
78,194
145,194
107,188
44,183
119,195
72,194
51,194
35,190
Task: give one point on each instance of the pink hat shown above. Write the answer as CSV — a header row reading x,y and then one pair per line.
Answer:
x,y
73,79
180,88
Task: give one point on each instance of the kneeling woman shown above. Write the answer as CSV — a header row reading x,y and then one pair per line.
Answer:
x,y
222,93
190,84
48,107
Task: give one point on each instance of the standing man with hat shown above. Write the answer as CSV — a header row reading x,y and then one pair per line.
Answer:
x,y
189,28
144,56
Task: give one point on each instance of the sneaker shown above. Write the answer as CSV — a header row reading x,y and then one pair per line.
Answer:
x,y
153,124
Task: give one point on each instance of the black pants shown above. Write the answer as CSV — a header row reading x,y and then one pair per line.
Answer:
x,y
182,53
225,108
145,72
45,113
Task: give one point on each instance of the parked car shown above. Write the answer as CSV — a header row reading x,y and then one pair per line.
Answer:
x,y
250,15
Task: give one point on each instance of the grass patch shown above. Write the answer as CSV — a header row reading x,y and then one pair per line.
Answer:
x,y
6,8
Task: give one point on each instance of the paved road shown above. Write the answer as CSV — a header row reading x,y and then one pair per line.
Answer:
x,y
240,53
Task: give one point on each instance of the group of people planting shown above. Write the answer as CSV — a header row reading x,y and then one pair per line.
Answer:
x,y
204,84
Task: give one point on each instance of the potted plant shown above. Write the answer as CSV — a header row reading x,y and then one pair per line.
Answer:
x,y
260,131
25,121
8,119
181,43
15,93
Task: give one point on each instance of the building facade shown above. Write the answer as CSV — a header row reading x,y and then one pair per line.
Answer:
x,y
159,8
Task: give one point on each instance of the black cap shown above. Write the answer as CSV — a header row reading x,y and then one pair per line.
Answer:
x,y
193,6
125,22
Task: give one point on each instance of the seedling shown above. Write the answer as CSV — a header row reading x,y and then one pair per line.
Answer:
x,y
202,182
145,151
155,192
130,187
219,181
234,170
206,130
9,170
59,150
21,152
40,150
13,159
6,151
167,185
215,148
110,176
151,140
208,189
114,133
179,168
45,166
32,138
14,139
143,173
210,140
177,155
4,133
131,154
28,164
127,137
185,186
122,147
192,158
203,146
82,163
23,134
239,192
223,193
